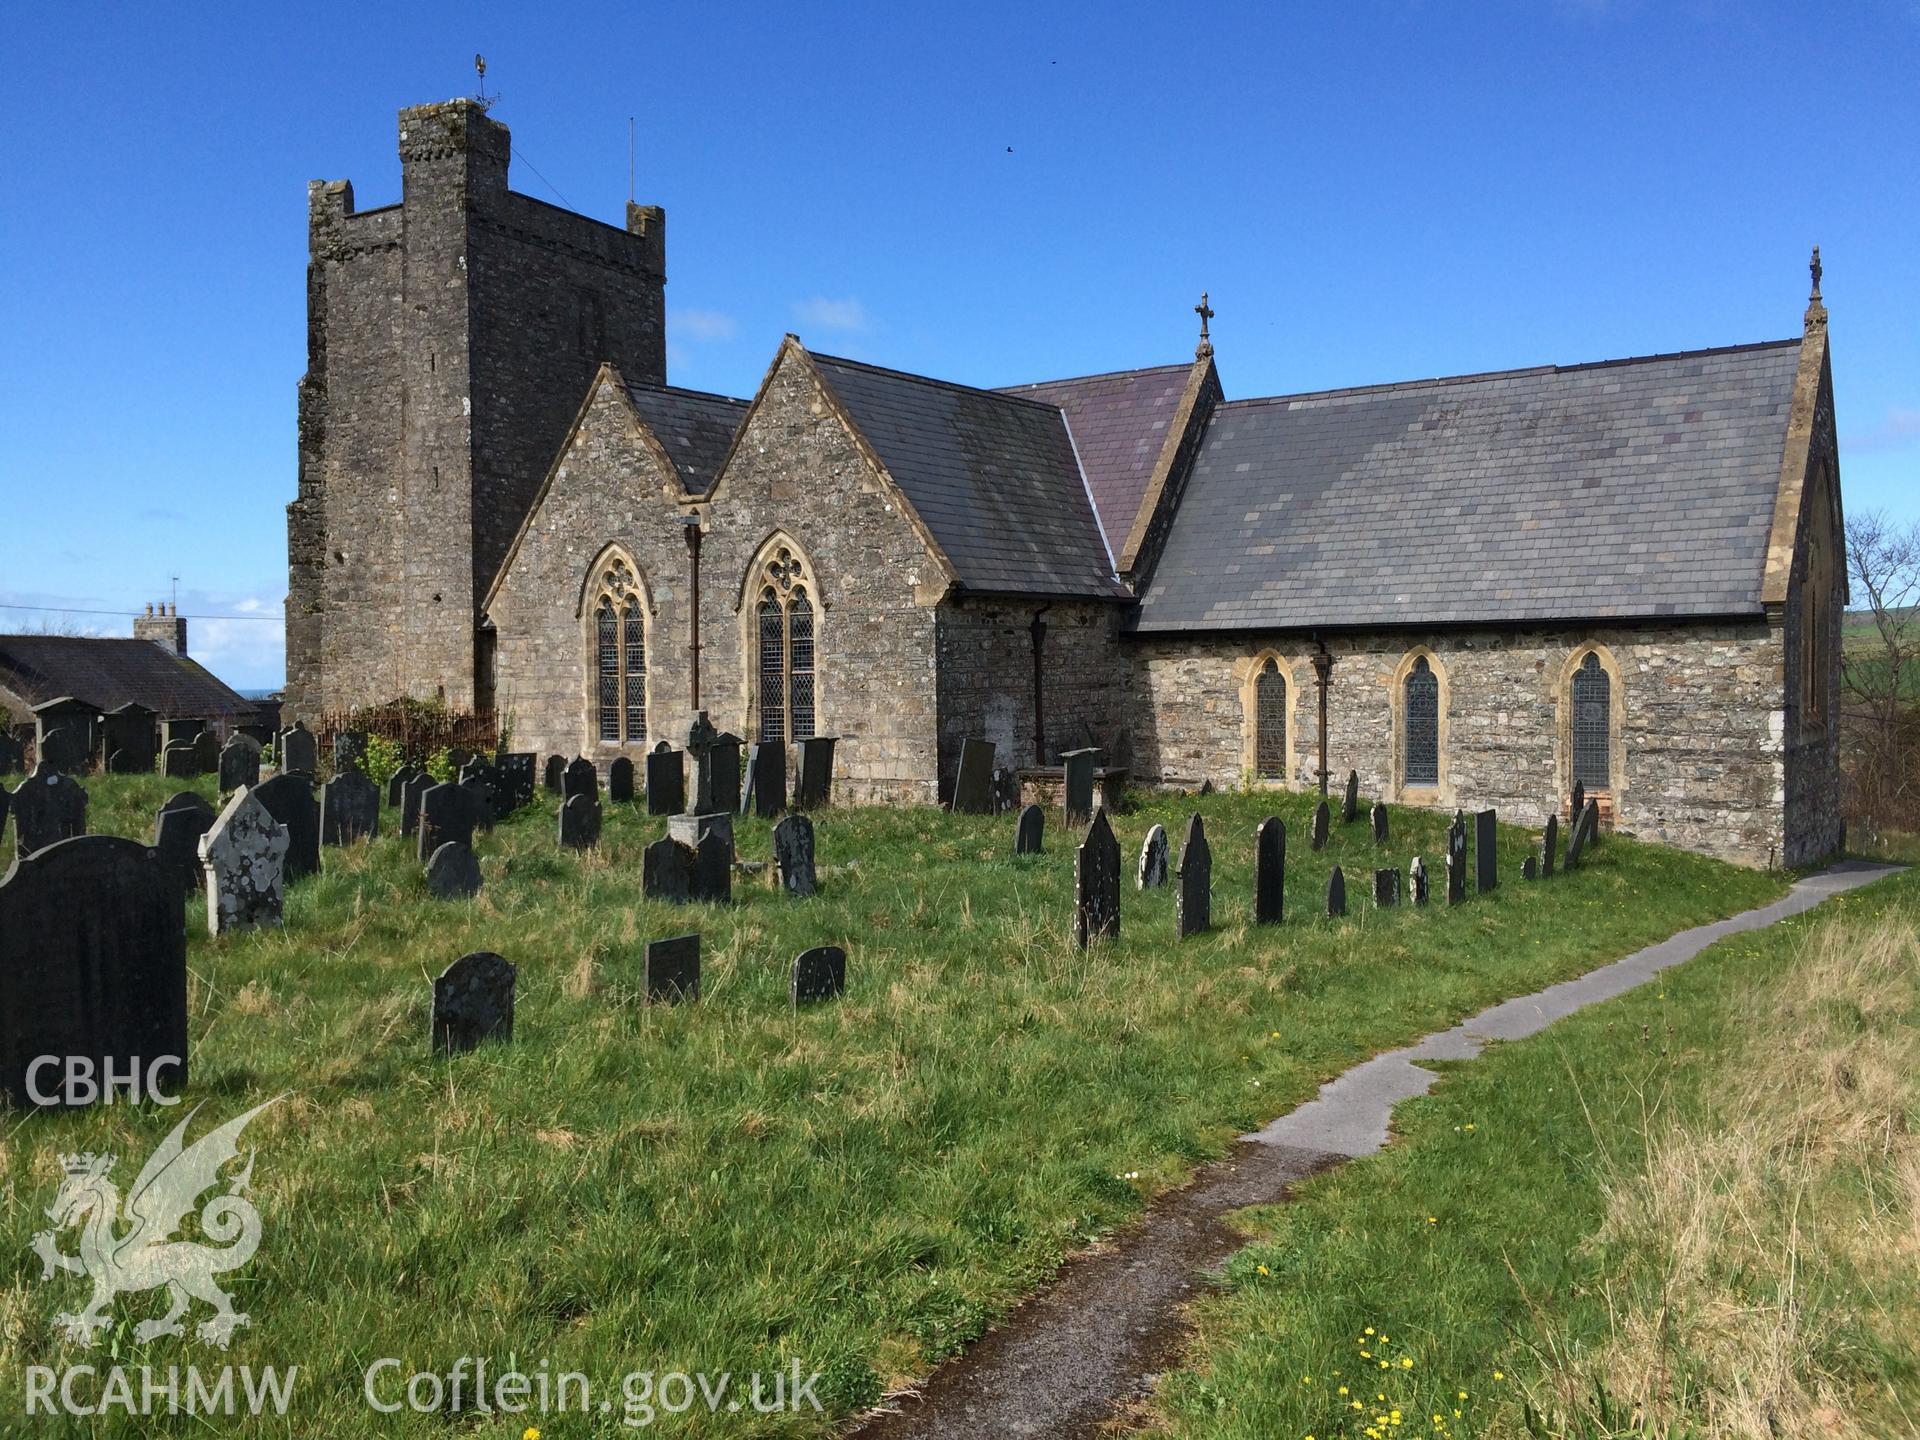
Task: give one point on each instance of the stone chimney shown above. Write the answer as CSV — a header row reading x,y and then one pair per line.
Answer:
x,y
163,626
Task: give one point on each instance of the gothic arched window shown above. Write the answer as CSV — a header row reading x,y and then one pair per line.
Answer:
x,y
619,654
1592,725
784,627
1270,722
1422,760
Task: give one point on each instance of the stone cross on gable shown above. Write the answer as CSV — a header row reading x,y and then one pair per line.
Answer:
x,y
1813,268
1206,313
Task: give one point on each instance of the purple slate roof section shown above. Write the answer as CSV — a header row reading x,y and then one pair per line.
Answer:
x,y
106,672
695,428
1120,423
1631,488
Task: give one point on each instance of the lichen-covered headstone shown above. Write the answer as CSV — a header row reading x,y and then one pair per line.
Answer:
x,y
793,853
473,1002
1151,873
453,872
1193,907
1028,830
349,809
243,864
1096,884
672,970
818,974
48,807
1270,871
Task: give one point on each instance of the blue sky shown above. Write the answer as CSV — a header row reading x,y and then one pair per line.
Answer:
x,y
991,193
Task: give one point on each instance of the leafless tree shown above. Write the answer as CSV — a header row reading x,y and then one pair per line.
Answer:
x,y
1880,670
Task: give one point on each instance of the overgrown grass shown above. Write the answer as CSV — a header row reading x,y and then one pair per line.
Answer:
x,y
722,1186
1694,1211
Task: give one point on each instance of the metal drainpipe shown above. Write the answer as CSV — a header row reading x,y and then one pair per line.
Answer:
x,y
692,522
1322,673
1039,632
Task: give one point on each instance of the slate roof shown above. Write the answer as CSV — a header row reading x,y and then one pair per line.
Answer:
x,y
993,476
1119,423
695,429
1631,488
106,672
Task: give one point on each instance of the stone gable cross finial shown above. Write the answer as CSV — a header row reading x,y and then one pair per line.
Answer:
x,y
1813,268
1816,307
1206,313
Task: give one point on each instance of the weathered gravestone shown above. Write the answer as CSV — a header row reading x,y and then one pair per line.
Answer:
x,y
1270,871
555,774
1549,846
453,872
1386,887
1336,893
765,794
1576,844
126,739
458,758
1152,873
973,785
1028,830
206,752
1530,867
298,751
1417,880
666,871
1096,884
473,1002
1321,820
580,778
474,782
47,808
417,785
1579,802
243,865
1193,906
793,853
93,965
1590,822
818,974
580,822
666,780
349,751
64,747
620,781
176,835
349,809
289,799
1379,817
1457,859
239,763
1486,860
513,780
814,786
448,813
397,786
1076,794
1350,806
712,877
672,969
13,755
179,730
181,760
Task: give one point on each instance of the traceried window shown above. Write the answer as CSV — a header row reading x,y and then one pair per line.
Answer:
x,y
784,623
1592,725
1422,760
1270,722
619,655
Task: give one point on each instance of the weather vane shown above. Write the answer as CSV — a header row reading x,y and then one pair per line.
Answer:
x,y
480,69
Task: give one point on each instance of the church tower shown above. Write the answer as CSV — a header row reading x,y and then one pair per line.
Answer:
x,y
450,340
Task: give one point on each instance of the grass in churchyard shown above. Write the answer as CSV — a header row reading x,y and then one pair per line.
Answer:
x,y
1691,1212
721,1186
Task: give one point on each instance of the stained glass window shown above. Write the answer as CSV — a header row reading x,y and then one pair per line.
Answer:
x,y
1422,724
785,616
619,655
608,653
1270,723
1592,725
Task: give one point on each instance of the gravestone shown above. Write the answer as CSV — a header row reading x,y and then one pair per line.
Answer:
x,y
818,974
288,797
580,778
180,760
397,786
620,781
793,853
765,794
179,729
6,807
13,755
1549,846
243,864
458,758
417,785
1576,844
1350,806
1379,816
672,970
298,751
711,880
206,752
349,809
480,793
514,780
1028,830
1386,887
472,1002
690,830
126,739
239,763
1006,789
1486,860
47,808
1077,793
1417,880
1590,822
1336,893
349,751
1322,818
1152,873
1193,906
814,787
973,786
1270,871
720,767
1579,802
1096,884
176,835
579,822
1530,867
556,774
478,772
666,871
453,872
65,747
448,813
1457,859
93,964
666,780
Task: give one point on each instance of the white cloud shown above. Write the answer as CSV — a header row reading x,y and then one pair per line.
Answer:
x,y
1900,427
824,314
703,325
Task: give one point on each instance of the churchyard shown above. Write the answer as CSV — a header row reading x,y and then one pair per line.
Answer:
x,y
654,1171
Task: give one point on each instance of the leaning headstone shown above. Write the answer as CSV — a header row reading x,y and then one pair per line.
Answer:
x,y
472,1002
814,786
1336,893
1350,806
298,751
289,799
514,780
1077,793
1549,846
1486,862
765,794
48,807
1322,817
712,877
672,970
1379,816
349,809
1152,873
180,760
1579,802
580,778
666,871
239,762
1386,887
793,853
1193,905
453,872
666,780
1028,830
93,965
1590,822
580,822
1096,884
417,785
818,974
1576,843
620,781
1270,871
448,813
13,755
555,774
1530,867
243,864
973,786
1417,880
176,835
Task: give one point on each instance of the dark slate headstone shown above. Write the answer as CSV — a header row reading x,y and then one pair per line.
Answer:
x,y
765,794
181,760
289,799
666,871
47,808
1379,816
514,780
480,793
620,781
712,877
1006,790
206,752
1417,880
1486,860
349,809
1077,793
666,780
6,807
243,864
417,785
126,739
818,974
66,747
1322,818
672,969
580,778
1386,887
1336,893
1154,864
580,822
1576,844
721,772
93,963
1590,822
555,775
239,763
448,813
1579,802
1350,806
458,758
1028,830
298,751
453,872
1457,859
1530,867
1096,884
973,785
472,1002
178,729
397,785
13,755
1193,906
1549,846
793,853
1270,871
814,786
349,751
176,835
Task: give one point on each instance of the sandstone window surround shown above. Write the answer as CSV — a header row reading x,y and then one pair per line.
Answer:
x,y
615,612
1268,694
782,617
1591,700
1420,702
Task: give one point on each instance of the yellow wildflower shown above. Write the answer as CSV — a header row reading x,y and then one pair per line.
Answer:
x,y
1498,1376
532,1432
1406,1362
1263,1270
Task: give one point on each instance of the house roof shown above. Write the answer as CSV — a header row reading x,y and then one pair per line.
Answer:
x,y
992,476
1630,488
694,428
106,672
1119,422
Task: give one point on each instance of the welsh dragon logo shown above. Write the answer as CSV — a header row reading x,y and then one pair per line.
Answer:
x,y
146,1256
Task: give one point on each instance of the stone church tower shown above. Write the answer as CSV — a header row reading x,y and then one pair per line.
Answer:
x,y
450,339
